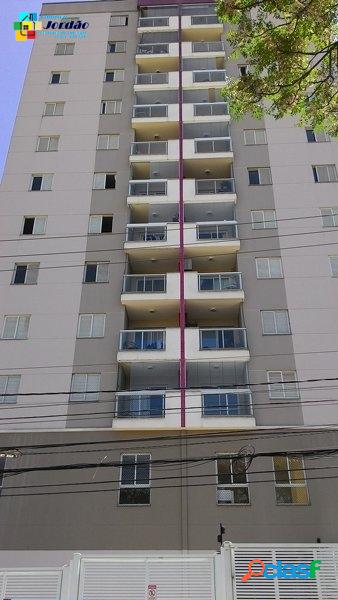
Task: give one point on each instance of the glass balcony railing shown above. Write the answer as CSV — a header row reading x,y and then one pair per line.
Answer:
x,y
148,187
152,49
213,145
208,76
144,284
149,111
211,109
137,406
146,233
215,186
204,20
224,231
151,78
149,148
207,46
142,339
227,404
223,339
153,22
219,282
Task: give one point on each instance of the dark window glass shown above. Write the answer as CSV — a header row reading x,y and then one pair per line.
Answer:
x,y
56,78
110,181
315,174
134,496
107,224
28,226
36,183
20,274
110,75
310,134
90,276
254,177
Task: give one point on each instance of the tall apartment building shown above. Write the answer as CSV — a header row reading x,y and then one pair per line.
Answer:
x,y
168,297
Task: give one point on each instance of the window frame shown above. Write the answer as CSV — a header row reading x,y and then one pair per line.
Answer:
x,y
29,268
327,166
35,217
114,80
92,219
64,77
134,486
97,264
291,485
116,42
94,395
43,187
315,140
116,112
267,260
55,104
121,23
16,327
14,398
255,142
231,485
284,377
65,46
333,215
259,169
110,137
333,256
91,337
105,181
49,139
264,223
274,311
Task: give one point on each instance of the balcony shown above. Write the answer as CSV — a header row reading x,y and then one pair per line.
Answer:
x,y
158,23
214,187
208,237
142,294
147,191
213,76
145,238
164,116
204,344
208,24
203,49
151,56
153,81
204,148
205,409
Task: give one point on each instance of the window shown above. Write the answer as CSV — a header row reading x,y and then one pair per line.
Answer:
x,y
282,384
85,387
269,268
15,327
116,75
26,274
54,109
48,143
254,137
232,482
135,479
290,483
62,49
9,387
275,322
111,107
243,70
226,404
100,224
108,141
136,406
41,183
330,216
260,176
334,265
325,173
59,77
118,21
91,326
34,225
263,219
116,47
316,136
96,272
104,181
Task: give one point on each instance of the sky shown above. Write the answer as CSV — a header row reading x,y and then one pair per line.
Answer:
x,y
14,57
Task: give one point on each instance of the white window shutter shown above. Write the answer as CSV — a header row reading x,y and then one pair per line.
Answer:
x,y
265,175
99,181
249,137
282,321
39,225
47,182
95,222
10,327
13,383
98,325
85,326
275,265
32,273
78,387
93,385
262,268
22,329
268,321
102,274
102,142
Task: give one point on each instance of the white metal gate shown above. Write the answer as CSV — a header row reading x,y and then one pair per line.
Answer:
x,y
323,587
30,584
166,578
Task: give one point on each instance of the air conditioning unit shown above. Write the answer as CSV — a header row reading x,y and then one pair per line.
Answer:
x,y
188,264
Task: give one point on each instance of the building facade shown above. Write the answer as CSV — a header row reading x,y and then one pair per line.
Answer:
x,y
168,297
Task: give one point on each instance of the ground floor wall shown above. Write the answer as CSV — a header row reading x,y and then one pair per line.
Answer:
x,y
71,509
